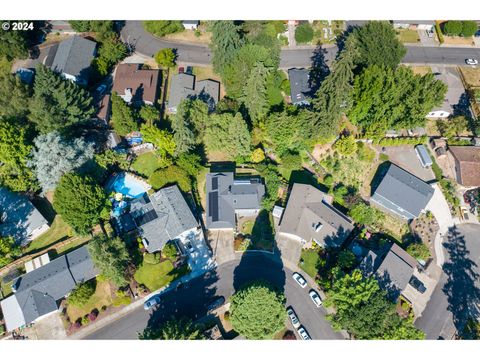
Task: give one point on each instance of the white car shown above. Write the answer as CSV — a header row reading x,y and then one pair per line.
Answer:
x,y
299,279
150,303
471,61
315,298
293,317
303,333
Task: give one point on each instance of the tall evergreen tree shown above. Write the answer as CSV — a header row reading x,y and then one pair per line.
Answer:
x,y
123,120
173,329
13,44
14,96
255,93
226,40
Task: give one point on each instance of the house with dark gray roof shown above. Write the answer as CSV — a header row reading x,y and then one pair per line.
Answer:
x,y
36,293
19,218
401,193
160,217
183,86
229,197
299,86
73,58
310,216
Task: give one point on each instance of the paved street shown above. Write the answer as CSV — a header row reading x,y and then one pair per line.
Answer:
x,y
458,293
223,281
148,44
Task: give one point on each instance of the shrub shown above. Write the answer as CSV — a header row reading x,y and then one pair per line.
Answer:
x,y
151,258
384,157
163,27
439,32
85,320
92,316
226,316
2,330
169,176
169,251
121,299
402,141
366,215
419,251
453,27
82,293
346,145
469,28
304,33
258,155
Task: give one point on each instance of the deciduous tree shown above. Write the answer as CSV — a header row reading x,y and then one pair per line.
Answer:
x,y
163,27
165,58
123,120
9,250
346,145
161,139
304,33
82,293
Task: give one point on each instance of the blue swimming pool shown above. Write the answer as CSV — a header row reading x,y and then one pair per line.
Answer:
x,y
128,185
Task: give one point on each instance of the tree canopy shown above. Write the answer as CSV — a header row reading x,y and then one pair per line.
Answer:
x,y
81,202
14,96
165,58
170,176
460,28
123,120
163,27
9,250
82,293
226,40
304,33
173,329
161,139
255,93
13,44
257,311
58,103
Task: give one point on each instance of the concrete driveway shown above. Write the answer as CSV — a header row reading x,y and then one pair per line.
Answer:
x,y
405,157
47,53
49,328
290,250
455,93
221,243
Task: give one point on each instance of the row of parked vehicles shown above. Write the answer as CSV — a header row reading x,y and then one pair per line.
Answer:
x,y
302,332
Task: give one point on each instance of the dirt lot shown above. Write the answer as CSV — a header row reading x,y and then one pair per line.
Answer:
x,y
458,40
405,157
471,75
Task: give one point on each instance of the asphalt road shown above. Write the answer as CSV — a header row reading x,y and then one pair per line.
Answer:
x,y
147,44
192,300
457,295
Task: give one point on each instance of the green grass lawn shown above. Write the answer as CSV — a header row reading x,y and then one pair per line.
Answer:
x,y
156,276
146,164
408,36
6,288
247,226
101,297
59,230
70,246
310,259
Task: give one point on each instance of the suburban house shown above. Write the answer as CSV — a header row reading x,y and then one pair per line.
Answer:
x,y
396,272
190,24
467,164
299,86
427,25
136,85
310,216
37,293
184,86
19,218
401,193
160,217
104,108
73,58
229,197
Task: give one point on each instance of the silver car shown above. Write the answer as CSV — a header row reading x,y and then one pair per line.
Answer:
x,y
471,61
152,302
299,279
293,317
303,333
315,298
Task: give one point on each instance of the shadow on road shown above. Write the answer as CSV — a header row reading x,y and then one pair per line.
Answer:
x,y
461,289
319,70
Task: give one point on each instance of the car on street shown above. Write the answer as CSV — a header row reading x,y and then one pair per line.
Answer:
x,y
417,284
181,70
215,304
299,279
101,89
293,317
471,61
315,298
303,333
189,70
189,246
152,302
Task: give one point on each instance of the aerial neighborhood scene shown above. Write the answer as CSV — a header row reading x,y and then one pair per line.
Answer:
x,y
247,180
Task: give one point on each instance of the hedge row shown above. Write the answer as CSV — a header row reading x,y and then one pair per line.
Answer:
x,y
439,32
401,141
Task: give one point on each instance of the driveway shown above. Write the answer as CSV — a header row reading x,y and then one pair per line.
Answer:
x,y
200,259
49,328
290,250
457,295
456,101
426,40
221,243
47,53
405,157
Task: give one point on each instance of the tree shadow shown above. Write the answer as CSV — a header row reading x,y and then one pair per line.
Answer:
x,y
306,177
463,106
461,288
319,70
379,175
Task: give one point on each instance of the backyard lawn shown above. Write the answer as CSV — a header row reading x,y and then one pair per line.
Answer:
x,y
101,297
58,231
156,276
146,164
309,261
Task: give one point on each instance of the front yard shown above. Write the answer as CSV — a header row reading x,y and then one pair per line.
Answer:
x,y
408,36
156,276
102,297
309,262
255,233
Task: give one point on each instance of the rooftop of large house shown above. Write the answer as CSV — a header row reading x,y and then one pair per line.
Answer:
x,y
161,217
74,56
468,158
36,293
309,216
135,84
19,218
299,86
183,86
401,192
227,194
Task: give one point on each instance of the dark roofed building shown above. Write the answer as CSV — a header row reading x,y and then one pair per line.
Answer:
x,y
402,193
73,58
209,92
310,216
183,86
136,85
299,86
161,217
36,293
467,164
228,196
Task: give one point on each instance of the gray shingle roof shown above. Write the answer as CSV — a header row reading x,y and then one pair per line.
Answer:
x,y
163,216
225,195
19,218
299,87
402,193
181,87
74,56
38,291
309,216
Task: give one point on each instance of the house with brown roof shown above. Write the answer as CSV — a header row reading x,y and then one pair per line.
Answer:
x,y
136,85
467,164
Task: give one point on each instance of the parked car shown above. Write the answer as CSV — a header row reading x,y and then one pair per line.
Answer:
x,y
152,302
315,298
417,284
293,317
303,333
471,61
181,70
189,70
299,279
101,89
189,246
215,304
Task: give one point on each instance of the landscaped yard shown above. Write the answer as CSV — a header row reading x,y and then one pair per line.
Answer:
x,y
156,276
146,164
101,297
309,261
58,231
408,36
